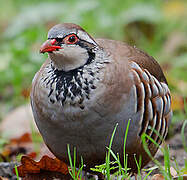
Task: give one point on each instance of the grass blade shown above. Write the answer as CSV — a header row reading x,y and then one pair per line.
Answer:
x,y
124,145
70,162
183,136
108,153
16,170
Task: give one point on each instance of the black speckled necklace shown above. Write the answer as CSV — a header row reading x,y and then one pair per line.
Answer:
x,y
71,86
74,86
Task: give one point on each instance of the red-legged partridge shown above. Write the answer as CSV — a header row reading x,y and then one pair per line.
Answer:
x,y
87,86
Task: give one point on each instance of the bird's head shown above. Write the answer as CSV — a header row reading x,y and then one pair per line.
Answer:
x,y
69,46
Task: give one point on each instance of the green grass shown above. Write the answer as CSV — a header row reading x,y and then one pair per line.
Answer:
x,y
122,170
16,170
75,174
166,153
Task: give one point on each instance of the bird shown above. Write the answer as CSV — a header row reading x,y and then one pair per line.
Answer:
x,y
88,85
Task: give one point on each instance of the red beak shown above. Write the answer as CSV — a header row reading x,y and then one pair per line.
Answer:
x,y
49,46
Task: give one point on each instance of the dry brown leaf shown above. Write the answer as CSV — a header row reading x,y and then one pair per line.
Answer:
x,y
24,145
158,177
3,178
32,155
21,145
177,102
26,92
25,138
29,166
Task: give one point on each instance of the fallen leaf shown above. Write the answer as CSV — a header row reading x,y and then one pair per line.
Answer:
x,y
29,166
158,177
24,146
32,155
177,102
21,145
173,171
26,92
25,138
3,178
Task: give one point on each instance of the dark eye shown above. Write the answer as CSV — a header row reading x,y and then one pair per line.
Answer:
x,y
71,39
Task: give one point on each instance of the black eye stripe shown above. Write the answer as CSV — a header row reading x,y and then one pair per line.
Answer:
x,y
83,43
59,39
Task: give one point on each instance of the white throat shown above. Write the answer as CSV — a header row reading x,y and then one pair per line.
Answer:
x,y
69,58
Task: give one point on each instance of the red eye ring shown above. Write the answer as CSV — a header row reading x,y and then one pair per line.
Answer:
x,y
71,39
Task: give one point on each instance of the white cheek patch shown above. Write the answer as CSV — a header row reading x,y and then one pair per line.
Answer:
x,y
69,58
84,36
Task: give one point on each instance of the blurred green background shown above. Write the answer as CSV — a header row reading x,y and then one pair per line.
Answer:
x,y
158,27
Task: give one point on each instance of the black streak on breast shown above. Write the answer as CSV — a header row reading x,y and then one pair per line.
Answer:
x,y
66,85
74,86
69,85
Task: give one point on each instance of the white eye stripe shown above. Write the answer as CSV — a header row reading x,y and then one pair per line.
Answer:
x,y
84,36
81,35
60,36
